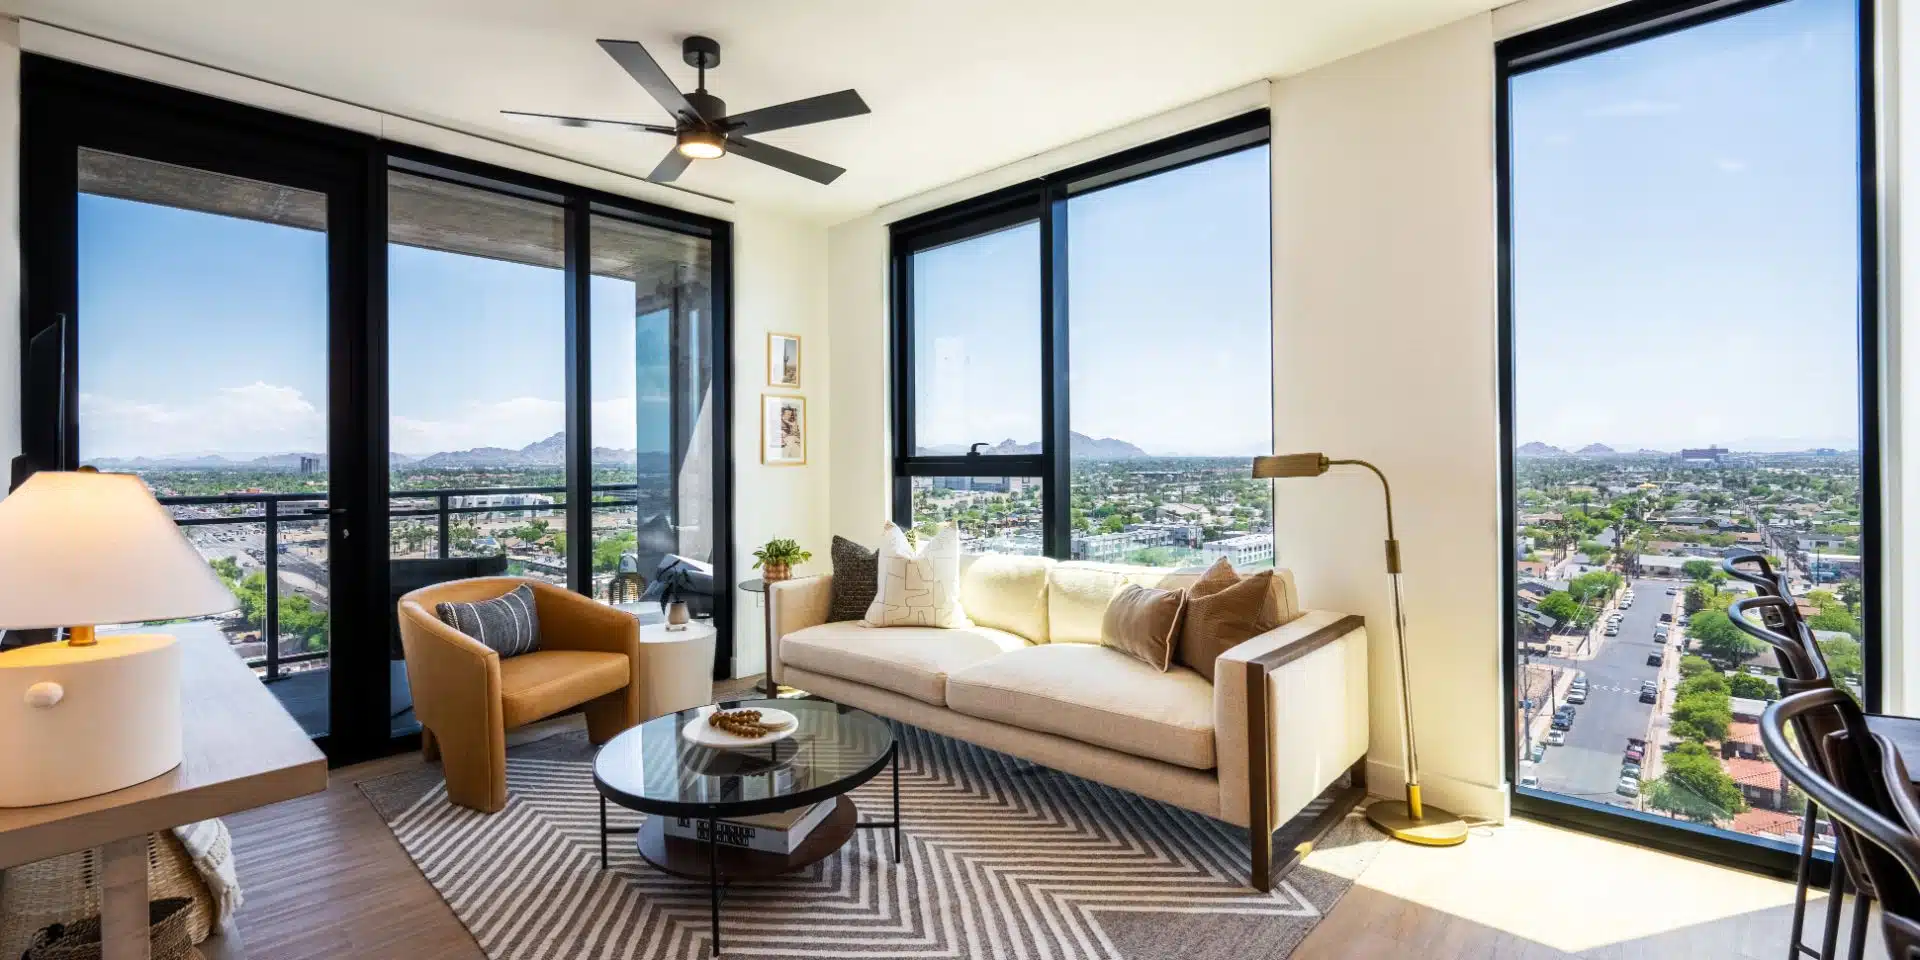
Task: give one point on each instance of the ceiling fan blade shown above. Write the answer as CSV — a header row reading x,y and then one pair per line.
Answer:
x,y
827,106
587,122
815,170
646,71
670,167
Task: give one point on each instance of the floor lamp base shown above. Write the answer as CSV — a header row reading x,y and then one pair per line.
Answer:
x,y
1434,828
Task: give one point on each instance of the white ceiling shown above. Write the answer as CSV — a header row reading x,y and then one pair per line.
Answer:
x,y
957,86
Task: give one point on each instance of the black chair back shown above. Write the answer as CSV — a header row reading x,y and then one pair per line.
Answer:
x,y
1801,667
1859,780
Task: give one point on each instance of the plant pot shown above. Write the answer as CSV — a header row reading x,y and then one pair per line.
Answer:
x,y
677,615
774,571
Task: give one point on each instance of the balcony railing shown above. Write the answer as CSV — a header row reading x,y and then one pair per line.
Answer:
x,y
273,510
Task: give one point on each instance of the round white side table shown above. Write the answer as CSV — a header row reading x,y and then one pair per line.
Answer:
x,y
676,668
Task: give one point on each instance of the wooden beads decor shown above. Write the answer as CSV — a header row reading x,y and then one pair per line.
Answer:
x,y
741,723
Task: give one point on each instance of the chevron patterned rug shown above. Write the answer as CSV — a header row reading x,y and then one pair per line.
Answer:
x,y
1003,859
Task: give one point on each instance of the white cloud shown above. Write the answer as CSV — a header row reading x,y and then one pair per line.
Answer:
x,y
1730,165
511,423
254,418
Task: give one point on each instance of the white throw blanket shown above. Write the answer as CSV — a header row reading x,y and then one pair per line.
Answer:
x,y
211,848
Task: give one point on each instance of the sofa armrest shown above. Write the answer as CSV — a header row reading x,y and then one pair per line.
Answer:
x,y
1289,716
795,605
455,679
571,621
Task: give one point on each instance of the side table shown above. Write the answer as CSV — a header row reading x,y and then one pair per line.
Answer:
x,y
676,666
767,687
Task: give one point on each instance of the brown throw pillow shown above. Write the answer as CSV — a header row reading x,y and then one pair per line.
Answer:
x,y
856,578
1144,624
1224,610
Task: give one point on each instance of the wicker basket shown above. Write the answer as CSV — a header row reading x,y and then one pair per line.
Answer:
x,y
66,889
167,935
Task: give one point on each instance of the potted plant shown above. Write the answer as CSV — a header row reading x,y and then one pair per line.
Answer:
x,y
672,583
775,560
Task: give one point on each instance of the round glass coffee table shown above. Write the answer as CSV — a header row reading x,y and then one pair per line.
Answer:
x,y
656,771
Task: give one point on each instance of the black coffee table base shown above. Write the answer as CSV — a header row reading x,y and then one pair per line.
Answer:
x,y
718,865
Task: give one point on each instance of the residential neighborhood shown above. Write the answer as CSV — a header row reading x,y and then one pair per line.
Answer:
x,y
1634,689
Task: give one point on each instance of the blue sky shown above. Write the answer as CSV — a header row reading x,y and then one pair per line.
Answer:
x,y
207,333
1685,216
1168,308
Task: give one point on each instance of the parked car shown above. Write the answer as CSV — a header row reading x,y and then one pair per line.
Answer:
x,y
1628,787
1685,620
1577,696
1539,750
1649,695
1636,749
1660,632
1562,722
1630,769
1556,738
1666,618
1529,780
1672,590
1613,631
1655,659
1565,709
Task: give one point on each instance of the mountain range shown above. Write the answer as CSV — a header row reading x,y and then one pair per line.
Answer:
x,y
1082,446
550,452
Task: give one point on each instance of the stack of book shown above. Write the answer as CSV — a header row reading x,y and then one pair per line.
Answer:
x,y
780,833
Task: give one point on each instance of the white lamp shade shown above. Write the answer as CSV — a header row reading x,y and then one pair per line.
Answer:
x,y
78,549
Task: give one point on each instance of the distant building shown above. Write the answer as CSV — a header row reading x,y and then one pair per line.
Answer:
x,y
1812,542
1658,566
309,466
1704,454
503,500
1828,567
1116,547
1246,550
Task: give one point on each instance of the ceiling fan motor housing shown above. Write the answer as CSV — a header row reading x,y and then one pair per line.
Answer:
x,y
711,108
700,52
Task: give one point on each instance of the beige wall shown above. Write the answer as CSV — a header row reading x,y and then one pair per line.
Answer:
x,y
1384,350
779,285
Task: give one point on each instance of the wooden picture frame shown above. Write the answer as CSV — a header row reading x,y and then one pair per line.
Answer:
x,y
783,360
783,439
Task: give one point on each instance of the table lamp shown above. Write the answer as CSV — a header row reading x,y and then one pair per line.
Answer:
x,y
92,714
1412,821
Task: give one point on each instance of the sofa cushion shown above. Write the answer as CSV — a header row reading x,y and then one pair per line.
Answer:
x,y
912,661
1094,695
856,580
919,585
1077,598
1007,593
545,682
1225,609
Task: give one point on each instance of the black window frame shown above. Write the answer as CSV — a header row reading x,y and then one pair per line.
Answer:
x,y
1042,200
64,105
1594,33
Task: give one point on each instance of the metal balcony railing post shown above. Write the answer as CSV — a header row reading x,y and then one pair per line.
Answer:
x,y
270,625
441,502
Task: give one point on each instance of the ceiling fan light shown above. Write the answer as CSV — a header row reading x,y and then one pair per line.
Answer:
x,y
701,145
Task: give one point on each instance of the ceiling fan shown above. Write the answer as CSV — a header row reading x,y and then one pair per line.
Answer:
x,y
702,128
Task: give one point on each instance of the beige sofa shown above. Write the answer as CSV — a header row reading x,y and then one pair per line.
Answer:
x,y
1283,716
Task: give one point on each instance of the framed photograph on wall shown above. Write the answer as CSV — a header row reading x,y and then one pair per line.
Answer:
x,y
783,360
783,430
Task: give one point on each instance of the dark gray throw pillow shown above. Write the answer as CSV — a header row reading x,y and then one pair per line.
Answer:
x,y
508,625
856,578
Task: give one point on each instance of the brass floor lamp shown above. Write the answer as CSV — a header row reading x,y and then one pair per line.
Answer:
x,y
1411,821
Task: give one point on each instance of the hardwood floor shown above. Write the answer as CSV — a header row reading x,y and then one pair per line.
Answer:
x,y
325,879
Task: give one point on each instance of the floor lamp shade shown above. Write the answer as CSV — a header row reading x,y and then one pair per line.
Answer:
x,y
92,715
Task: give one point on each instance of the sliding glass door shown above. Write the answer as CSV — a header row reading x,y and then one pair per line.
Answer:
x,y
1689,325
352,368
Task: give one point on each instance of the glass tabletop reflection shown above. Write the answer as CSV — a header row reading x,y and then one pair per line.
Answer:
x,y
654,769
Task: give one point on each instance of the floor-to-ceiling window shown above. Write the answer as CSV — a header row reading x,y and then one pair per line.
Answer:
x,y
1083,363
1688,312
350,367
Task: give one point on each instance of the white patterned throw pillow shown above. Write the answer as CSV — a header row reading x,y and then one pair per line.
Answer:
x,y
918,588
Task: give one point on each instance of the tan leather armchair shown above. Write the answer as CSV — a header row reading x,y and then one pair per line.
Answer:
x,y
467,698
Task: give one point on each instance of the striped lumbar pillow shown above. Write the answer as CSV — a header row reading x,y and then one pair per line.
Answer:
x,y
507,625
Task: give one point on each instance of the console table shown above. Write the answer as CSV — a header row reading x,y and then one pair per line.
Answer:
x,y
242,750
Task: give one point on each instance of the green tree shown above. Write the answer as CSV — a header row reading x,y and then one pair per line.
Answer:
x,y
1695,788
1113,524
1843,657
1698,569
1709,682
1703,715
1837,619
227,568
1561,607
1750,687
1850,592
1691,666
607,552
1717,637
